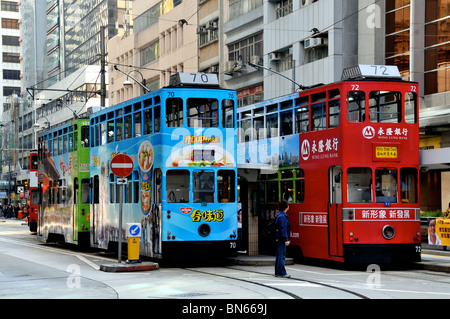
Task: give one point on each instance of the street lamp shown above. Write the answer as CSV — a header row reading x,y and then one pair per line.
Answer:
x,y
128,84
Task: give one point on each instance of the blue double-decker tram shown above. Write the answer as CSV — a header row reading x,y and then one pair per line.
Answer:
x,y
182,140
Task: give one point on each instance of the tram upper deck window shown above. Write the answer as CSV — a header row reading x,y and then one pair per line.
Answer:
x,y
286,123
111,133
137,132
174,112
385,106
408,182
148,121
334,108
356,103
177,186
228,116
245,131
272,125
411,107
258,128
85,136
386,185
202,112
203,186
128,126
359,185
318,112
302,119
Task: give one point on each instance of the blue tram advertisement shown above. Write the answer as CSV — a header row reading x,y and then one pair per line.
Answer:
x,y
182,140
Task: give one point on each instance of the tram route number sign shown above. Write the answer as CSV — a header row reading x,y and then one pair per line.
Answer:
x,y
122,165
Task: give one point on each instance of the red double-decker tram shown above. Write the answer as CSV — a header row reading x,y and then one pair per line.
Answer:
x,y
34,192
353,184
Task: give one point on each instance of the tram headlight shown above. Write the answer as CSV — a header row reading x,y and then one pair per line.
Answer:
x,y
204,230
388,232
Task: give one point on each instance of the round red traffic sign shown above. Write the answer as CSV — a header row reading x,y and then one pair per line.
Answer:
x,y
122,165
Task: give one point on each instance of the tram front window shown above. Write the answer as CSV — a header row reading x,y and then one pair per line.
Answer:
x,y
203,183
177,185
359,185
386,185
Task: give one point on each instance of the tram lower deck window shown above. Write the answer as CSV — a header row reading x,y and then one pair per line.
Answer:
x,y
177,186
386,185
359,185
203,184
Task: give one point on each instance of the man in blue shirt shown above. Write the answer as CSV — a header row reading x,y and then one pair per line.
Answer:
x,y
283,236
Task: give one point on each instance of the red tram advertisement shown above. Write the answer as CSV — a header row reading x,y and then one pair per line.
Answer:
x,y
34,192
352,184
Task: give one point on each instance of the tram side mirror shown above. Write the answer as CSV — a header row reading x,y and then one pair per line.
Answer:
x,y
337,178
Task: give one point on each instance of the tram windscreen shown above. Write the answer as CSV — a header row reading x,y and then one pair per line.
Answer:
x,y
203,184
386,185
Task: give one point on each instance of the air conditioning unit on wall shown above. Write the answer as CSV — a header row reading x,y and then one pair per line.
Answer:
x,y
274,56
315,42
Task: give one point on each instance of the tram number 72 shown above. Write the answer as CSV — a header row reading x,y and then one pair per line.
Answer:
x,y
418,249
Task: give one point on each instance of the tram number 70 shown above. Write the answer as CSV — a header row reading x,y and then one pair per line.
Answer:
x,y
232,244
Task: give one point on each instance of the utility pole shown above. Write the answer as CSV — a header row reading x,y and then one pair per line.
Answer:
x,y
102,66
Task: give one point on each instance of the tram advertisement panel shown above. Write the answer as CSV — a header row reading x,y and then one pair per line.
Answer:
x,y
277,152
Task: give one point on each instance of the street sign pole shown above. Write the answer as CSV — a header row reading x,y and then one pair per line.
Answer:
x,y
120,182
121,166
120,221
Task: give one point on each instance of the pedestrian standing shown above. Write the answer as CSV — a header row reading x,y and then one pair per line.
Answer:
x,y
283,237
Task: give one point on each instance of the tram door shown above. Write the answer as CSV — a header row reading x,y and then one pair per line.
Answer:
x,y
156,212
335,212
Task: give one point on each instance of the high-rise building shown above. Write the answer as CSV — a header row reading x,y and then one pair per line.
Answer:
x,y
10,89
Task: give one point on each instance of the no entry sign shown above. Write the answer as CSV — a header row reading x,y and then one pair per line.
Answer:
x,y
122,165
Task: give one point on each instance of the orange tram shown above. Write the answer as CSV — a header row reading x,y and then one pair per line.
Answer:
x,y
346,157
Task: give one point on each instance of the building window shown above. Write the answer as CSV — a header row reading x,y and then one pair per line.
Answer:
x,y
208,32
10,23
246,48
150,53
11,57
283,60
10,90
10,6
284,7
10,40
316,48
11,74
437,47
397,35
241,7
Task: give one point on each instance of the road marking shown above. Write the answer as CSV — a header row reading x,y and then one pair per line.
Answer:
x,y
90,263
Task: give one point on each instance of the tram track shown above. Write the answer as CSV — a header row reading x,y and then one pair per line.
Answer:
x,y
284,291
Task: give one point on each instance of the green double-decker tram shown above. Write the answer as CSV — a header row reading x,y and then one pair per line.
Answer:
x,y
64,183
